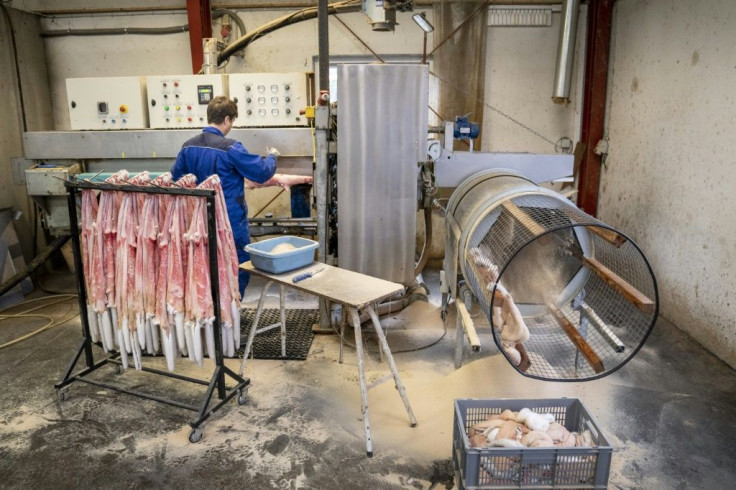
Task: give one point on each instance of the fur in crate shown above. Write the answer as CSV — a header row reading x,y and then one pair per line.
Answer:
x,y
525,428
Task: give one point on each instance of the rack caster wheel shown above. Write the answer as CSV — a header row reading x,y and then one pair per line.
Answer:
x,y
243,397
62,395
118,369
195,436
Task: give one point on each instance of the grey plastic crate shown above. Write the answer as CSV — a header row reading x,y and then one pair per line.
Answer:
x,y
558,467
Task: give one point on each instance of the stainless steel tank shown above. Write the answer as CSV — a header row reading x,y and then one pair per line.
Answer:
x,y
586,292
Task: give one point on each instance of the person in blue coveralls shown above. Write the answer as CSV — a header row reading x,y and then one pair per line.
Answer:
x,y
210,152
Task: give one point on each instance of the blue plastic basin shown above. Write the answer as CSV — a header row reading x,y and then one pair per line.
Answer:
x,y
263,259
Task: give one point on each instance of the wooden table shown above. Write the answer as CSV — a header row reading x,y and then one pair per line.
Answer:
x,y
356,292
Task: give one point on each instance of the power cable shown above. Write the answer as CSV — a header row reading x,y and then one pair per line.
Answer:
x,y
401,351
27,314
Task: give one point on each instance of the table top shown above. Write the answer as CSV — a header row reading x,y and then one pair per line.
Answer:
x,y
335,284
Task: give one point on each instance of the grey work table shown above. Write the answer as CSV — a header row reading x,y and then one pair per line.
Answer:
x,y
356,292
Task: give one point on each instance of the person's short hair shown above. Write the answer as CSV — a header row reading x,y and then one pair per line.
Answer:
x,y
219,108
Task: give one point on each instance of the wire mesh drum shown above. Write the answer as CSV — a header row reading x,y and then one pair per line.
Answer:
x,y
567,296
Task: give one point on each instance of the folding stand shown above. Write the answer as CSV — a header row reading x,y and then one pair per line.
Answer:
x,y
217,381
356,292
254,330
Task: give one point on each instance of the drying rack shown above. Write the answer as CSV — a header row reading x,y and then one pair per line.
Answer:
x,y
217,381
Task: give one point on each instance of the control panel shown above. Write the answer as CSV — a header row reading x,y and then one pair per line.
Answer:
x,y
107,103
271,99
180,101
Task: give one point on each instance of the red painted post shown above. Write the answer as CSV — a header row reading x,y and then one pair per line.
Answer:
x,y
600,15
200,27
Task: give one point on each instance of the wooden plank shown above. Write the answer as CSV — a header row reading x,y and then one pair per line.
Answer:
x,y
638,299
335,284
523,218
468,326
608,235
582,345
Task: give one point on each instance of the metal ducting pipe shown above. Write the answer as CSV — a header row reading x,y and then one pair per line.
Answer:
x,y
566,51
584,291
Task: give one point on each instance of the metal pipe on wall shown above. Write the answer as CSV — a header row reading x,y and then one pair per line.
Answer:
x,y
324,46
250,5
566,51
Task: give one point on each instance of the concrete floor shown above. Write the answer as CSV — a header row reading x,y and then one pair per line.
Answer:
x,y
670,413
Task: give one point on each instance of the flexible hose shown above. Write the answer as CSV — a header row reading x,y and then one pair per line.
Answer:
x,y
219,12
293,18
26,314
424,257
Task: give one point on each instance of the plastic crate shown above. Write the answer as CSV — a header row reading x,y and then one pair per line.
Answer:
x,y
262,258
556,467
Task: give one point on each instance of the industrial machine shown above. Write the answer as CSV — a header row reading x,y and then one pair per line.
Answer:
x,y
107,103
271,99
45,186
382,13
180,101
567,296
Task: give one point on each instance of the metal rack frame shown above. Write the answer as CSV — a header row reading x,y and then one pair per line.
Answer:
x,y
217,381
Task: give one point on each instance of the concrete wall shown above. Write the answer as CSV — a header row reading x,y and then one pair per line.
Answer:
x,y
520,69
23,104
670,176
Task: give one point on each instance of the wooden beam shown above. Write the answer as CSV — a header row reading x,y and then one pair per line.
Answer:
x,y
524,218
638,299
468,325
582,345
608,235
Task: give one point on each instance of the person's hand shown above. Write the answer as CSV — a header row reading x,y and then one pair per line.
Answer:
x,y
273,151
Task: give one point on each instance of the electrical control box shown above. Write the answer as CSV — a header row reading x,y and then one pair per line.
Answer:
x,y
180,101
271,99
107,103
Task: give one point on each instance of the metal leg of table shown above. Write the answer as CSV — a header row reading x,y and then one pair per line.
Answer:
x,y
363,388
343,321
392,365
459,340
282,307
254,327
380,347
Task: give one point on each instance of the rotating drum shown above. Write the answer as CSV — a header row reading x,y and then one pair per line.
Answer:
x,y
585,292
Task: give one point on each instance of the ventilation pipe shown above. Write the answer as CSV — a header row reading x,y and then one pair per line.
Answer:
x,y
566,51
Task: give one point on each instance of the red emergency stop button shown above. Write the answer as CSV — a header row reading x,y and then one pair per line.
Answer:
x,y
176,84
189,108
123,109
